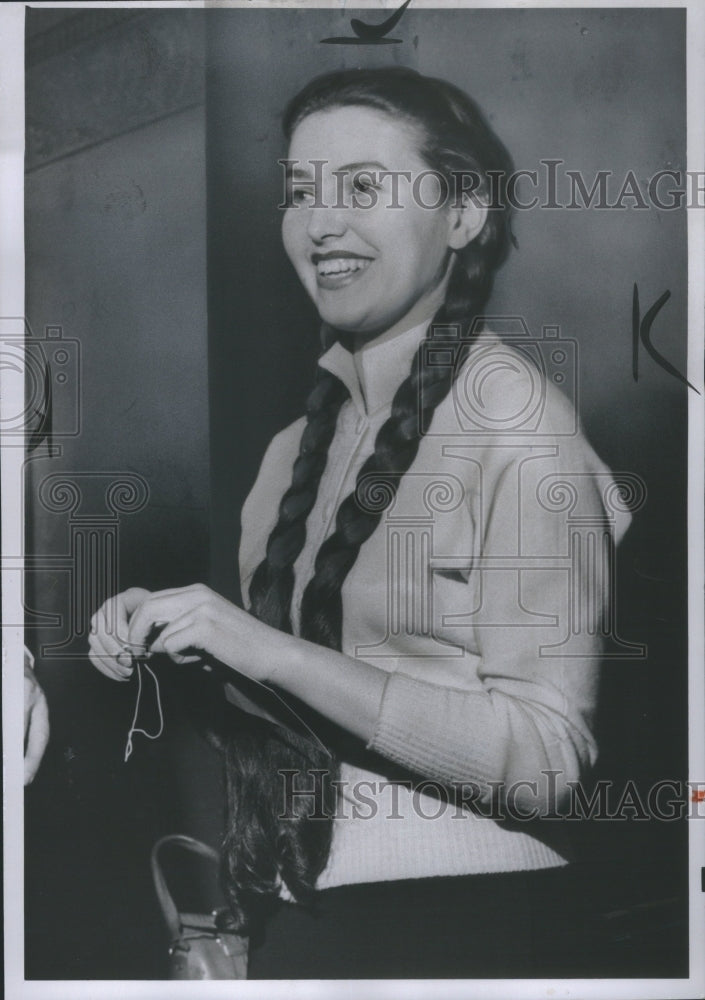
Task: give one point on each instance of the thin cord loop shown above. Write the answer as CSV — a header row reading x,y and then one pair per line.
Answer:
x,y
139,663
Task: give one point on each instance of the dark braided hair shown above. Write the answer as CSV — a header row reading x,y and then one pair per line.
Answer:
x,y
265,843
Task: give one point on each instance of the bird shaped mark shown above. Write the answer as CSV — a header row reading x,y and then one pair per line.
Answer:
x,y
366,31
371,34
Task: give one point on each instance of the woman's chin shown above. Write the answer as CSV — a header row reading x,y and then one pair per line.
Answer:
x,y
344,320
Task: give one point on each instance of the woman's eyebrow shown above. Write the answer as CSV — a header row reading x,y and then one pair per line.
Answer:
x,y
301,173
298,173
363,165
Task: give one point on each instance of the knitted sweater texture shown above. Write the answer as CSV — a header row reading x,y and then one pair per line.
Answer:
x,y
481,594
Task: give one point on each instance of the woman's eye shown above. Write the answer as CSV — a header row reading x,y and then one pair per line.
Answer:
x,y
363,182
303,195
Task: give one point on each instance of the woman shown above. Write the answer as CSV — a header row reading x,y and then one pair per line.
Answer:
x,y
379,560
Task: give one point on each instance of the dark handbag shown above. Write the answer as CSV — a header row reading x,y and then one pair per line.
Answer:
x,y
199,948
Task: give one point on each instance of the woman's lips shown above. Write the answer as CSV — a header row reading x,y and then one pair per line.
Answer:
x,y
337,270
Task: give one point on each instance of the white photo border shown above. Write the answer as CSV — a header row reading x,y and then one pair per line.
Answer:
x,y
12,304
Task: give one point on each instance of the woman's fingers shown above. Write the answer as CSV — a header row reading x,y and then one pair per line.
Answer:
x,y
110,625
110,634
105,667
116,666
163,608
179,636
124,625
155,611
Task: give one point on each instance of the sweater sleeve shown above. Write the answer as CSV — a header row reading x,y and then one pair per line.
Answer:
x,y
529,705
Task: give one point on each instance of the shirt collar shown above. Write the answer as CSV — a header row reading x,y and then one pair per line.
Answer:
x,y
376,372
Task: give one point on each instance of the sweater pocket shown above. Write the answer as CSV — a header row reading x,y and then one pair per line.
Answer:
x,y
456,597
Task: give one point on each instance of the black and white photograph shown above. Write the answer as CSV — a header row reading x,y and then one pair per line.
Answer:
x,y
352,477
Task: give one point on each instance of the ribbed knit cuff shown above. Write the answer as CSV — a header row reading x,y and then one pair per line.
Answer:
x,y
402,731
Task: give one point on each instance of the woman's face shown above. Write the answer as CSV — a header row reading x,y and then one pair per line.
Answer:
x,y
367,266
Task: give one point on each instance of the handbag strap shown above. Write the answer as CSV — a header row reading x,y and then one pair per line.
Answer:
x,y
166,900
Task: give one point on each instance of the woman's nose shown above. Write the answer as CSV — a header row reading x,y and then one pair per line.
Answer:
x,y
326,214
325,220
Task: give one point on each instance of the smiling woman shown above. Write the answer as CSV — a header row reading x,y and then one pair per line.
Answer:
x,y
379,268
403,561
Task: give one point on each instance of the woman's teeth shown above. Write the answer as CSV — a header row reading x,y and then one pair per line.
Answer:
x,y
340,265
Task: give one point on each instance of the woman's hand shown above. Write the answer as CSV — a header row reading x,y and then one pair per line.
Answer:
x,y
197,623
194,622
110,634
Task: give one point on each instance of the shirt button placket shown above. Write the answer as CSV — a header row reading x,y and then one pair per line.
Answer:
x,y
344,450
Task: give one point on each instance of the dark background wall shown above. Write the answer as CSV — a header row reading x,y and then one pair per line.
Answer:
x,y
122,136
115,250
599,90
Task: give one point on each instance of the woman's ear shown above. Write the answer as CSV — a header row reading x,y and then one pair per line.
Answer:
x,y
466,221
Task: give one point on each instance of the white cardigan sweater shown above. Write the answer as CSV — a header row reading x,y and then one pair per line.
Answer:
x,y
472,594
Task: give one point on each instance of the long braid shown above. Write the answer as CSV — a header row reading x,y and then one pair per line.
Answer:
x,y
268,840
273,581
396,446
